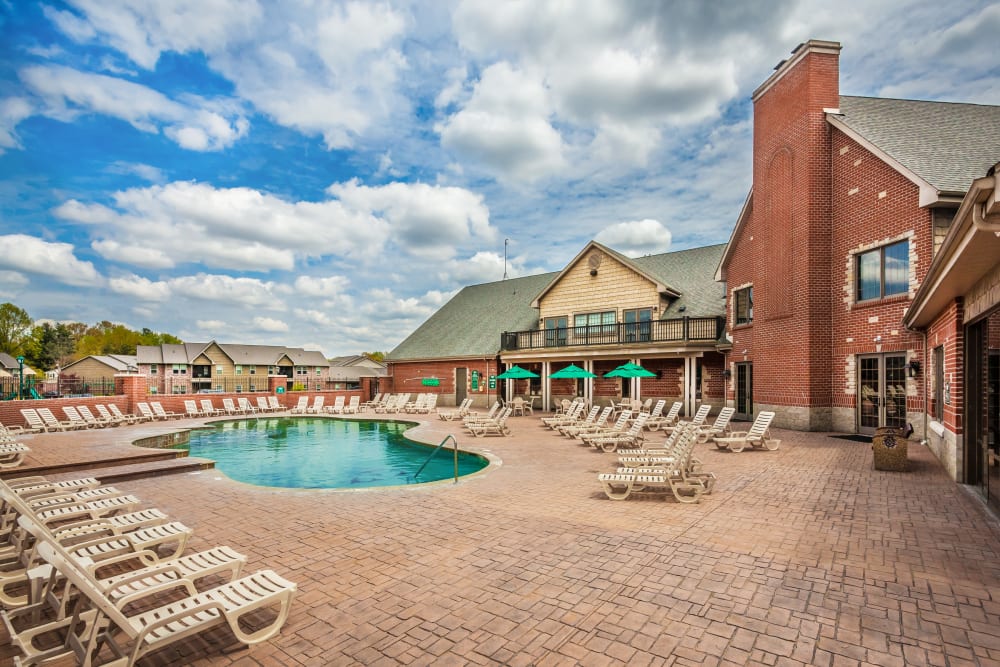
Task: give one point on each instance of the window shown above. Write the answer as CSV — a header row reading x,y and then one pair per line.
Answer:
x,y
253,370
637,324
939,383
743,305
218,370
239,369
180,369
319,370
153,370
301,370
883,272
555,331
588,324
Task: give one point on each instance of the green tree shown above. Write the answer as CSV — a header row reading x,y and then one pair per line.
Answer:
x,y
49,346
15,326
374,356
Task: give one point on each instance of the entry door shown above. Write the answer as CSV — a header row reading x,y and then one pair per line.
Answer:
x,y
982,409
461,377
744,391
881,392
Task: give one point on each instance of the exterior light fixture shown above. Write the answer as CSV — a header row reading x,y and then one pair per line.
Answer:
x,y
20,376
913,368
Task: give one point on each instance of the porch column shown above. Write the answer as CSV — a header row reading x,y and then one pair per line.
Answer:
x,y
634,388
546,385
690,391
588,383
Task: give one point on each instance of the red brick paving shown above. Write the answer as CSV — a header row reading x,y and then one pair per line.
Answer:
x,y
805,555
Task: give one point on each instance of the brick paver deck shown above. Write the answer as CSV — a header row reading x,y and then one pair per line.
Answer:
x,y
805,555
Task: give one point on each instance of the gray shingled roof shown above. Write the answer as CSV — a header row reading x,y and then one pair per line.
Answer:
x,y
471,323
945,143
692,273
250,355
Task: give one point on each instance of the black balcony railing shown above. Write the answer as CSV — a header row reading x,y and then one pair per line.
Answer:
x,y
680,330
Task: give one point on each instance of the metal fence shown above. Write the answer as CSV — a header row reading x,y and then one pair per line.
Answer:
x,y
679,330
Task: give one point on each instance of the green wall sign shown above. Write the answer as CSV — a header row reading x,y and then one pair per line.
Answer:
x,y
431,382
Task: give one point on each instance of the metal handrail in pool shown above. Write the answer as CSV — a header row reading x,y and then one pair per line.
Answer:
x,y
446,439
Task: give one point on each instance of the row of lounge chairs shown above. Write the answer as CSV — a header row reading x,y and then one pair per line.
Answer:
x,y
88,577
12,452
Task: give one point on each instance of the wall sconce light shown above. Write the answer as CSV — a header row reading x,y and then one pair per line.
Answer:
x,y
727,374
593,272
913,368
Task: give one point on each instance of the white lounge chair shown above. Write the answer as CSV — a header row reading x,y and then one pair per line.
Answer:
x,y
496,426
108,417
230,407
74,417
36,422
759,435
631,437
460,411
300,406
174,619
353,406
654,423
670,476
338,406
208,409
717,429
131,419
161,413
56,425
317,405
90,418
272,401
147,412
12,454
245,406
191,409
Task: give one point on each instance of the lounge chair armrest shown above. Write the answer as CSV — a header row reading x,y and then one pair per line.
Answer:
x,y
185,584
145,556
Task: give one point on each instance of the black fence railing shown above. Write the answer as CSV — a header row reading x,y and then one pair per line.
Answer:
x,y
679,330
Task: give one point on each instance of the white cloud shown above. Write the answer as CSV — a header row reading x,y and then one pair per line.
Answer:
x,y
506,126
234,228
11,282
637,238
12,111
195,125
430,221
328,286
30,254
323,68
140,288
270,324
210,325
144,171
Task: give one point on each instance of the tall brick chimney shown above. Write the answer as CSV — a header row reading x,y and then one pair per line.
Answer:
x,y
792,219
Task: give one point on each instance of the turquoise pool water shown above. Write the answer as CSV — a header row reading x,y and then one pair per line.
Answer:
x,y
317,453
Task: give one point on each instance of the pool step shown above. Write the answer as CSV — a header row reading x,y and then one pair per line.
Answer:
x,y
120,469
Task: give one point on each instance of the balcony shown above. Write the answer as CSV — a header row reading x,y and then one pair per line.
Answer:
x,y
681,330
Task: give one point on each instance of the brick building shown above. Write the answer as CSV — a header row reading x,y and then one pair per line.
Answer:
x,y
851,200
665,312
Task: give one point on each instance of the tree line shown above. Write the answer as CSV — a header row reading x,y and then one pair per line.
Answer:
x,y
48,345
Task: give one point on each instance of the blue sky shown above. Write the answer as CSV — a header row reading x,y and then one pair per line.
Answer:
x,y
327,174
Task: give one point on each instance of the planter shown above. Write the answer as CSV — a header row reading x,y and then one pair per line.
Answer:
x,y
889,448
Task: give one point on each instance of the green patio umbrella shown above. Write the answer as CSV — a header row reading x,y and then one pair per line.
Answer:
x,y
572,372
630,370
516,373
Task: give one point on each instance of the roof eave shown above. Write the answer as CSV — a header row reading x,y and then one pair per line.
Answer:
x,y
741,221
929,194
968,243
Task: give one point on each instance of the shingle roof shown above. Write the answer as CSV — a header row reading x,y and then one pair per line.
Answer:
x,y
692,273
946,144
118,362
471,323
250,355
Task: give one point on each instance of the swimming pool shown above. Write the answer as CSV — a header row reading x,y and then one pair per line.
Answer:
x,y
323,453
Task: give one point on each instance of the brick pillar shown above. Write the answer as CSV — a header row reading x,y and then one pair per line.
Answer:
x,y
274,382
133,387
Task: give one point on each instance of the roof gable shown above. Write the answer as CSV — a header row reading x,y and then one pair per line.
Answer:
x,y
594,253
940,146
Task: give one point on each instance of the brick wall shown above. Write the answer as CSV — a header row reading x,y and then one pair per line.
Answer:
x,y
872,205
405,376
783,249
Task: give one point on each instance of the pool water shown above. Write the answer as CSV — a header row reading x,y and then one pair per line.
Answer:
x,y
318,453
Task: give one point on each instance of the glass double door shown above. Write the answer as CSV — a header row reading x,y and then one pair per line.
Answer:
x,y
881,392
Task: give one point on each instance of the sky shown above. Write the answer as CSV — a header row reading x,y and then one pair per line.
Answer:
x,y
327,174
